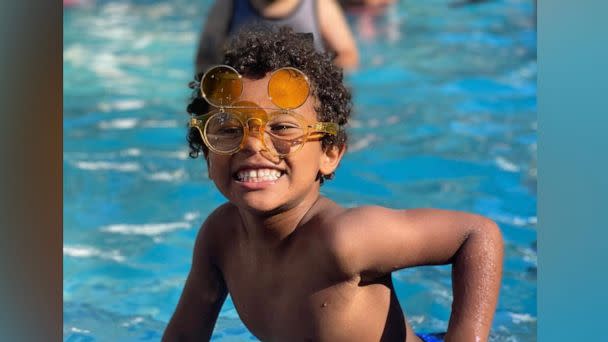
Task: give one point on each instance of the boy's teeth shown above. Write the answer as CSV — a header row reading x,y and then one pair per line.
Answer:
x,y
258,175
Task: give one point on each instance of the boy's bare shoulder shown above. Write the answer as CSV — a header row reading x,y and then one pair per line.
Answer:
x,y
363,214
354,220
222,214
342,229
217,227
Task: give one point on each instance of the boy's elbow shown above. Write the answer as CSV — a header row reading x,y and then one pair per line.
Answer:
x,y
491,232
353,62
348,60
493,228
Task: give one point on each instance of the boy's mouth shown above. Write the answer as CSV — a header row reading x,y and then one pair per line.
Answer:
x,y
257,175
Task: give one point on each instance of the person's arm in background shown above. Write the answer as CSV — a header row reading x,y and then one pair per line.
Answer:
x,y
370,3
202,297
214,35
396,239
337,34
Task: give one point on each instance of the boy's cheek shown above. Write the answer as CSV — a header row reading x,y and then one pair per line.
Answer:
x,y
217,168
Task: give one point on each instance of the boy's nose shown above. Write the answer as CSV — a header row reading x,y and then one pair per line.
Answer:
x,y
254,125
253,142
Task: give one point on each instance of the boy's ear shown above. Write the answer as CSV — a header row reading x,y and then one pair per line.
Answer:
x,y
330,159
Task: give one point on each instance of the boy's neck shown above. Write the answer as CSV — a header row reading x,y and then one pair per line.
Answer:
x,y
271,230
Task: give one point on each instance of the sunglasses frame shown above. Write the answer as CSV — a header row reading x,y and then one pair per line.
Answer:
x,y
239,77
313,130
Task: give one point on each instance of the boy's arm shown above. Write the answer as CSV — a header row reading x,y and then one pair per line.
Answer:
x,y
202,297
337,34
395,239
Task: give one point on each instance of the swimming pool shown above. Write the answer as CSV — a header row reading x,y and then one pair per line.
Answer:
x,y
445,117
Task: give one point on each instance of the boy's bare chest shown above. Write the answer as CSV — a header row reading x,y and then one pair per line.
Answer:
x,y
294,297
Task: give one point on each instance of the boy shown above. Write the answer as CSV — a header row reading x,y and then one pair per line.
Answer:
x,y
324,19
298,266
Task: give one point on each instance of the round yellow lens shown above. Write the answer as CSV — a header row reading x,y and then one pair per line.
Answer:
x,y
221,85
288,88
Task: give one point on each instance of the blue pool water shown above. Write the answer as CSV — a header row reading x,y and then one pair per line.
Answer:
x,y
445,117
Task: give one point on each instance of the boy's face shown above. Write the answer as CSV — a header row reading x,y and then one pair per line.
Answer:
x,y
247,178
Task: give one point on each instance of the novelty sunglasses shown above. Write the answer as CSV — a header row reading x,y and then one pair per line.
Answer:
x,y
282,131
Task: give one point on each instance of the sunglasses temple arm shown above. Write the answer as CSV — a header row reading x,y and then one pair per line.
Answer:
x,y
198,121
194,85
325,127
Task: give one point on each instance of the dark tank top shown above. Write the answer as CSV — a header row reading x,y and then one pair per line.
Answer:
x,y
302,19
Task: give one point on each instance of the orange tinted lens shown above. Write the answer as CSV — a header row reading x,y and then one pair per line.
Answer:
x,y
221,85
288,88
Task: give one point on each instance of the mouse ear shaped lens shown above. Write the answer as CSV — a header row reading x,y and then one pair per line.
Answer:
x,y
221,85
288,88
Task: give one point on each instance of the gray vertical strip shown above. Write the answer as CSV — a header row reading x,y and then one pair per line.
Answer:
x,y
573,170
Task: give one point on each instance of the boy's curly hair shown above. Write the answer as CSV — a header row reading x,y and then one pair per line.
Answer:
x,y
258,50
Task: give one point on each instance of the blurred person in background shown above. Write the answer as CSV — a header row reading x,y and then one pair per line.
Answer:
x,y
366,3
373,18
324,19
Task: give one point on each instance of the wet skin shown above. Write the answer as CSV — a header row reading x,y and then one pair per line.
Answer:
x,y
302,289
301,268
283,276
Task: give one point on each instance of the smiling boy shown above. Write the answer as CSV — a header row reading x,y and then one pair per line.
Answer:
x,y
298,266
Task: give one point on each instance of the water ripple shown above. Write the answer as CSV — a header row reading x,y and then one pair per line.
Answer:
x,y
150,229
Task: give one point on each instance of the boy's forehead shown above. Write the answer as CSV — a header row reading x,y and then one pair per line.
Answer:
x,y
256,91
